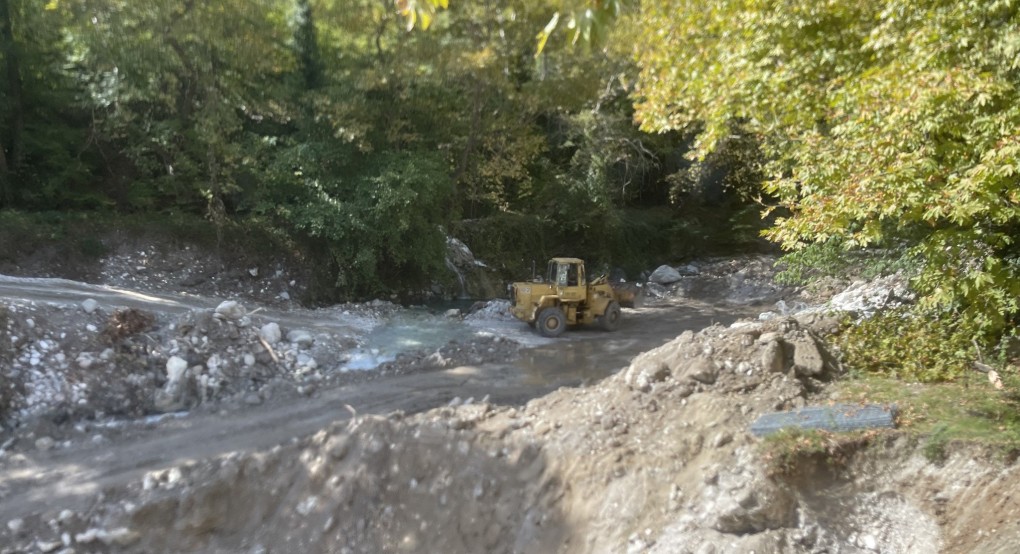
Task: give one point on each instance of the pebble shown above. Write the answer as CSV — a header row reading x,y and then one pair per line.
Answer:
x,y
230,309
44,443
173,476
722,439
300,337
175,368
47,547
89,305
252,399
16,525
270,332
84,360
308,505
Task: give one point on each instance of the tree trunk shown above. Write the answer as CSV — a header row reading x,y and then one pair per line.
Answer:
x,y
12,141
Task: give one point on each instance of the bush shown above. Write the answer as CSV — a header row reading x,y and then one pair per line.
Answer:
x,y
381,230
911,345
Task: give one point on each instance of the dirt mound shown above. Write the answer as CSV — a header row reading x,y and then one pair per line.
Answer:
x,y
654,459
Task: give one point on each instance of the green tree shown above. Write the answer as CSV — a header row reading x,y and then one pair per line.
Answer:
x,y
43,158
172,85
891,123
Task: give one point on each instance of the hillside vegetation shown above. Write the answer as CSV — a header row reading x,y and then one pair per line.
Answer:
x,y
868,136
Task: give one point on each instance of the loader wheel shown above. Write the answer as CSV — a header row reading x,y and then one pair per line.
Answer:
x,y
610,320
551,322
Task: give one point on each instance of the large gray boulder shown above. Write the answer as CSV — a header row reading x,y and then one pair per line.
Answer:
x,y
664,275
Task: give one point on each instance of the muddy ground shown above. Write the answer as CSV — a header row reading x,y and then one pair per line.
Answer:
x,y
187,425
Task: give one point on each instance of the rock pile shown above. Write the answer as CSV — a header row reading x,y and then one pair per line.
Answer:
x,y
747,354
79,361
745,280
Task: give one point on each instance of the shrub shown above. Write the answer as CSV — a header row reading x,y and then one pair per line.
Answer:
x,y
909,345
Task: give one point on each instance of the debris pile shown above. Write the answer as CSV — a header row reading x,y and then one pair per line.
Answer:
x,y
71,362
656,459
744,280
173,268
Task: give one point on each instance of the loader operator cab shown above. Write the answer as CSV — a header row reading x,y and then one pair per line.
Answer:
x,y
565,274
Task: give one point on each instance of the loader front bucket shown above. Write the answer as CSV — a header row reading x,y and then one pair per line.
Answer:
x,y
629,295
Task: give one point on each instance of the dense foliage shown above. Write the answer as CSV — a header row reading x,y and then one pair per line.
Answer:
x,y
366,130
891,124
343,124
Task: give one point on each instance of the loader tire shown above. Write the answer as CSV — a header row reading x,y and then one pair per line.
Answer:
x,y
610,320
551,322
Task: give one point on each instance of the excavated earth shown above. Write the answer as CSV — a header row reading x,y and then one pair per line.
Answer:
x,y
653,458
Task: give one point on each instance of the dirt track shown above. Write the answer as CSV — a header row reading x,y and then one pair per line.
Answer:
x,y
68,477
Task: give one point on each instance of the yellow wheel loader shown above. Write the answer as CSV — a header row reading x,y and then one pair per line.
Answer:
x,y
565,297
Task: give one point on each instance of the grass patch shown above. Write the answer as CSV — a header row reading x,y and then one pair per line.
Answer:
x,y
969,409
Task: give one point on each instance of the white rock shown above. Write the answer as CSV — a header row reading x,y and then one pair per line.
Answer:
x,y
300,337
175,368
249,359
214,362
30,323
306,361
65,516
89,305
91,328
87,537
284,295
230,309
452,312
121,536
270,332
85,360
44,443
16,525
47,547
307,506
173,476
869,542
254,272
